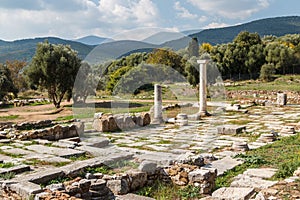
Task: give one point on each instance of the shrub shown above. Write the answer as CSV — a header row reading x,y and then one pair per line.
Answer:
x,y
267,71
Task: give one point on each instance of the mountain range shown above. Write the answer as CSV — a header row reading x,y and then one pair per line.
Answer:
x,y
87,46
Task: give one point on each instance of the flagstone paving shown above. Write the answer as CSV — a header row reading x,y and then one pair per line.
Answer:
x,y
162,144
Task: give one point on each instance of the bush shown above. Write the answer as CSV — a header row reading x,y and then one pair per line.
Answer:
x,y
267,71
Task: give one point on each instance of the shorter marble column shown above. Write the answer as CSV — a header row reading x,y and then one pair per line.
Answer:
x,y
158,117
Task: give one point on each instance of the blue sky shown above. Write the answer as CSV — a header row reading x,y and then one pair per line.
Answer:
x,y
77,18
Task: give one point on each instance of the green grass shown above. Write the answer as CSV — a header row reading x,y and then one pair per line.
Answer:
x,y
7,118
168,191
39,103
65,118
283,155
8,175
81,157
282,83
6,165
102,169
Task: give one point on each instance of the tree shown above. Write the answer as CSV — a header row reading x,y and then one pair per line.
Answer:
x,y
168,58
85,84
16,68
54,67
6,83
193,48
267,71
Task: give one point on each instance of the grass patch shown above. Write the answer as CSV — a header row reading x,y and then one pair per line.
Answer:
x,y
13,155
65,118
102,169
168,191
283,155
8,175
10,117
240,122
7,165
81,157
40,103
282,83
56,181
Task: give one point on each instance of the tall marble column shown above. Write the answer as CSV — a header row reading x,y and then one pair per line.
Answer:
x,y
202,87
158,117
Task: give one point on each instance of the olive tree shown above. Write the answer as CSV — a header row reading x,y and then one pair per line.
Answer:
x,y
54,67
6,83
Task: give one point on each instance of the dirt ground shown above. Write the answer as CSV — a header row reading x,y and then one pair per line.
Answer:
x,y
35,113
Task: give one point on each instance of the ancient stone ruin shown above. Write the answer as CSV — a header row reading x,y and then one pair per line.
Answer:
x,y
112,123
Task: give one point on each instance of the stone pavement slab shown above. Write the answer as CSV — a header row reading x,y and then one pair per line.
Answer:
x,y
224,164
62,152
243,180
264,173
233,193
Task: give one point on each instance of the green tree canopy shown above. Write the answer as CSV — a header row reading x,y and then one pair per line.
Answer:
x,y
54,67
6,83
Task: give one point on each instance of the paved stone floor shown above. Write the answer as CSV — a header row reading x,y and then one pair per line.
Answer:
x,y
162,144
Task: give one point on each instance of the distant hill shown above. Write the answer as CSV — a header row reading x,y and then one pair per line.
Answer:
x,y
162,37
278,26
25,49
116,49
91,40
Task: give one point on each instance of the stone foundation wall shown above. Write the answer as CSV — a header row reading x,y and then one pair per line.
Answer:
x,y
112,123
52,133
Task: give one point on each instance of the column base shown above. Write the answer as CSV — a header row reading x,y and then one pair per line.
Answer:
x,y
158,121
204,114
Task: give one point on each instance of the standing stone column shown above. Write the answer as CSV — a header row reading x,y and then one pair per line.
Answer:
x,y
158,117
281,99
202,87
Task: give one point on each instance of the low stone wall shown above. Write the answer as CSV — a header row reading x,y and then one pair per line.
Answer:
x,y
36,130
262,97
112,123
56,132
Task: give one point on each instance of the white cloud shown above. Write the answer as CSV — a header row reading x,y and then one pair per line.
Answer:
x,y
183,12
75,18
236,9
203,19
215,25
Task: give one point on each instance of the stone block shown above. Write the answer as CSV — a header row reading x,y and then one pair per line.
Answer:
x,y
233,193
26,189
146,119
243,180
281,99
101,125
137,179
98,185
95,142
45,176
118,186
112,125
16,169
148,167
231,129
84,185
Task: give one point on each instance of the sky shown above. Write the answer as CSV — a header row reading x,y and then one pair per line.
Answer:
x,y
71,19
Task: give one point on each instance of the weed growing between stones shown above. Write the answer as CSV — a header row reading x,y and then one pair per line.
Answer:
x,y
102,169
6,165
7,176
10,117
167,191
282,155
